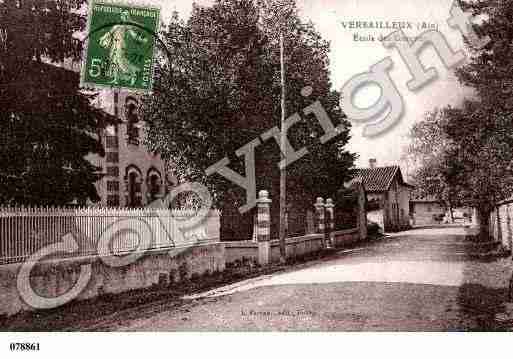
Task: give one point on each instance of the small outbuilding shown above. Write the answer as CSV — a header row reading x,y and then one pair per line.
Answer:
x,y
427,211
388,196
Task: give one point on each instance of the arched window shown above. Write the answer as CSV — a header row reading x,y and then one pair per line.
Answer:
x,y
154,182
133,178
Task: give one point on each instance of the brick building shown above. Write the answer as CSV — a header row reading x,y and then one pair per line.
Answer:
x,y
134,176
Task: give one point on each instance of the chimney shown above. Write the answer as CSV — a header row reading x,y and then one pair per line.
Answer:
x,y
372,163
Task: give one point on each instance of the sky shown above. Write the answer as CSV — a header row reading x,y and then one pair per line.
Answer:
x,y
349,57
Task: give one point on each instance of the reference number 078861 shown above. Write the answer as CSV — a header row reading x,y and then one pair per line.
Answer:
x,y
24,347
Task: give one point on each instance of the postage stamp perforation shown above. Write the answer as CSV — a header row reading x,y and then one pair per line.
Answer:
x,y
130,3
147,73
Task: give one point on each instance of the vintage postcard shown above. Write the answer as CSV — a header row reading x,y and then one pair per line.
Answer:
x,y
303,166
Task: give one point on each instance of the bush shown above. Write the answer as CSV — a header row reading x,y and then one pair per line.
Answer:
x,y
438,217
372,228
173,274
183,272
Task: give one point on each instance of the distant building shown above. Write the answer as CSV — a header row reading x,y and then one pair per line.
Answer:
x,y
426,211
134,176
388,196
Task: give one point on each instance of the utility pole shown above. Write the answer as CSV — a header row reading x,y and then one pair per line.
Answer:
x,y
283,171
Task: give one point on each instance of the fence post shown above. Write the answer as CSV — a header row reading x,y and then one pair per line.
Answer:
x,y
329,206
319,210
263,228
475,218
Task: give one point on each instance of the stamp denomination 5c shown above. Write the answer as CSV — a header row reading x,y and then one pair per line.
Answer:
x,y
121,46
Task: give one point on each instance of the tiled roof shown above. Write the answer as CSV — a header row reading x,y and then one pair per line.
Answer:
x,y
378,179
428,199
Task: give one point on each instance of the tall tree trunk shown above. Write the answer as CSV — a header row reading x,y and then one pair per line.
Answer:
x,y
451,212
484,224
498,224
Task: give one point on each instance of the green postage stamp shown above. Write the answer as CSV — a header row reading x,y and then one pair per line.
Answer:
x,y
121,46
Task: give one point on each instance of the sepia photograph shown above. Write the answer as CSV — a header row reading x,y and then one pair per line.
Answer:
x,y
222,167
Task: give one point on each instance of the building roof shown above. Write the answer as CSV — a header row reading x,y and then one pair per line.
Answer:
x,y
379,179
427,199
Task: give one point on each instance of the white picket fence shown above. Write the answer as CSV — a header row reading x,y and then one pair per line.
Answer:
x,y
24,231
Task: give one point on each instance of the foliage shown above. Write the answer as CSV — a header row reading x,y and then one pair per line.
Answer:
x,y
346,208
373,229
490,73
183,272
47,124
219,89
481,159
482,126
476,161
428,152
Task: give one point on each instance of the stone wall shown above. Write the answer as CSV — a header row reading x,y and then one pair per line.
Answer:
x,y
296,247
56,277
501,224
347,237
236,250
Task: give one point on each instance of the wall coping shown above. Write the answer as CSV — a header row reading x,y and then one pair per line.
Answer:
x,y
346,231
505,201
274,242
298,239
89,259
240,244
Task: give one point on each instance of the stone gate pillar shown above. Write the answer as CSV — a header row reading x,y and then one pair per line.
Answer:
x,y
319,210
330,214
475,217
263,228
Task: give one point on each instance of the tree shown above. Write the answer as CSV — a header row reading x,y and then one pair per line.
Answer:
x,y
478,160
484,139
220,89
428,153
47,125
481,158
465,157
490,71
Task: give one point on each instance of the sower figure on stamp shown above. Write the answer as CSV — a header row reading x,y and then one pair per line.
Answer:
x,y
115,40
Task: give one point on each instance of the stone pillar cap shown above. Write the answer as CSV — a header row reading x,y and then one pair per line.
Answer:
x,y
263,197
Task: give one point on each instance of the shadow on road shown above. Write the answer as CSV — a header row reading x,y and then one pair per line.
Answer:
x,y
483,296
481,305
